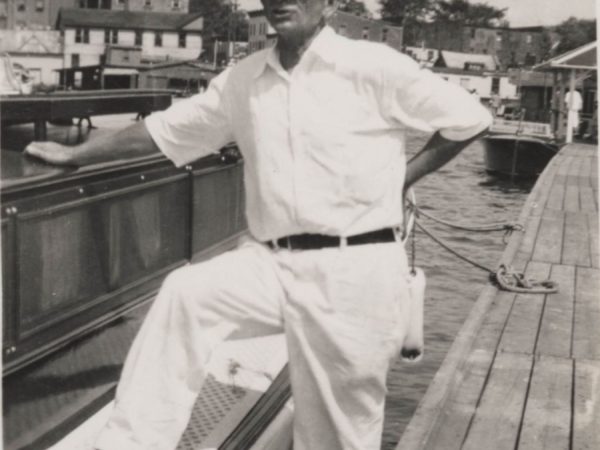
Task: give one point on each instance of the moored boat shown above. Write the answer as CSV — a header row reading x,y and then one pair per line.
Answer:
x,y
518,149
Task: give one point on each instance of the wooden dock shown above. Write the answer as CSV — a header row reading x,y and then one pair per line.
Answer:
x,y
524,371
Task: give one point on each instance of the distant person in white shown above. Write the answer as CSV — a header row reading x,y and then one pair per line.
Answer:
x,y
573,108
320,121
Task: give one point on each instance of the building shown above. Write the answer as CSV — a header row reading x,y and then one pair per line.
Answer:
x,y
188,77
514,47
42,14
477,73
31,14
426,57
357,27
262,35
260,32
179,6
38,51
156,36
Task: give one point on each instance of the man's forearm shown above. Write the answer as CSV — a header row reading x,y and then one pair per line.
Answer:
x,y
436,153
126,143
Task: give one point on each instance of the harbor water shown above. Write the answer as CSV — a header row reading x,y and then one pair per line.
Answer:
x,y
461,192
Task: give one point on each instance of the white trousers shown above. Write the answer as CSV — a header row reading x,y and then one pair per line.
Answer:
x,y
344,312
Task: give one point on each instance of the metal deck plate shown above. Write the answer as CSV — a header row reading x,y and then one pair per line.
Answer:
x,y
239,373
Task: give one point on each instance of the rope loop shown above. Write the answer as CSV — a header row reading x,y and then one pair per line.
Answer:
x,y
512,281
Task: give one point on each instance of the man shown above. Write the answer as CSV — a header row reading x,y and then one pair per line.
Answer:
x,y
320,122
574,103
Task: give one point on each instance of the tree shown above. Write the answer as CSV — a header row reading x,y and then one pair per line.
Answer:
x,y
464,13
356,7
406,11
221,19
573,33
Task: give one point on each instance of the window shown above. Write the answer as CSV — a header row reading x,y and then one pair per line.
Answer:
x,y
39,5
111,36
75,60
158,39
365,33
495,85
181,39
82,35
138,38
21,7
384,35
148,3
430,55
176,3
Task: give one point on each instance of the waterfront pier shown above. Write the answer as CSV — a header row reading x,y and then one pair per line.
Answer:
x,y
524,370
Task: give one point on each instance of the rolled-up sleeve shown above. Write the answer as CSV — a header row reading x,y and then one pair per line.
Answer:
x,y
417,98
194,127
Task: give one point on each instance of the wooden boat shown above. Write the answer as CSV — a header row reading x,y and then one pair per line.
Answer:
x,y
83,253
518,148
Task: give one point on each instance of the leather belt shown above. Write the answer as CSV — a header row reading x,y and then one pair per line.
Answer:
x,y
317,241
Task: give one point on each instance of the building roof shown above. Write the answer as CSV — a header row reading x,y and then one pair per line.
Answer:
x,y
583,58
131,20
456,60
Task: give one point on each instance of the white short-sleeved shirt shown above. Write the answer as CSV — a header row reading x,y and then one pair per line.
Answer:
x,y
324,144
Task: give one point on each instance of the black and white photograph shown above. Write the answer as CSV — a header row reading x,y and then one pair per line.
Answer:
x,y
299,225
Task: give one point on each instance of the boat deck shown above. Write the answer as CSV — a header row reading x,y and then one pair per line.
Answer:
x,y
524,371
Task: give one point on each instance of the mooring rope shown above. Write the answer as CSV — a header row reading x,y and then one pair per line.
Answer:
x,y
508,227
506,278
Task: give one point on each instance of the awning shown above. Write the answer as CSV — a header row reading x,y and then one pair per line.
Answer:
x,y
582,58
119,71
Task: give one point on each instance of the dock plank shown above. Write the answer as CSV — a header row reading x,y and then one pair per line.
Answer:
x,y
571,200
530,234
586,196
576,250
521,331
548,245
557,320
498,416
457,415
556,195
494,322
547,418
541,191
594,244
586,336
586,432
